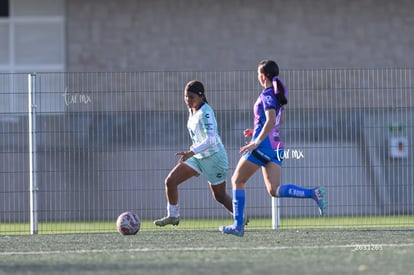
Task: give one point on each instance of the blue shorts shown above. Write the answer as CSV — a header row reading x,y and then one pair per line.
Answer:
x,y
261,156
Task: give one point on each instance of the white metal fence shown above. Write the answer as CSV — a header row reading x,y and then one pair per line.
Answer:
x,y
97,144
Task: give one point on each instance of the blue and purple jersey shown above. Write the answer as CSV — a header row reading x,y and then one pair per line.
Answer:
x,y
267,100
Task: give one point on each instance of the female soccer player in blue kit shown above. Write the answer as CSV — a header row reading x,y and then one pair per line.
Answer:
x,y
265,150
206,156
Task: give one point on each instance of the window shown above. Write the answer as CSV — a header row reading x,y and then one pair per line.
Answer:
x,y
4,8
32,35
32,39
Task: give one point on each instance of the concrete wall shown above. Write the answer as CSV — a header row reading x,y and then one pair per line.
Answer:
x,y
131,35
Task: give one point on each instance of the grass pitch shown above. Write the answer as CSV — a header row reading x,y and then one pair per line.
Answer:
x,y
183,251
351,222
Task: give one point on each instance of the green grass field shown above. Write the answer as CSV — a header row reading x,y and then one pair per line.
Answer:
x,y
182,251
359,222
301,246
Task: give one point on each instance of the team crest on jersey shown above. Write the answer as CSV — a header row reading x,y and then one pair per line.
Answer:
x,y
268,99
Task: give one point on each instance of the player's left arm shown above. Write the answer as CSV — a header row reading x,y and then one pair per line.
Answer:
x,y
269,124
208,126
267,127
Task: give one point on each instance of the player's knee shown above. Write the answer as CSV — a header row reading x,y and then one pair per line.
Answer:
x,y
237,182
169,182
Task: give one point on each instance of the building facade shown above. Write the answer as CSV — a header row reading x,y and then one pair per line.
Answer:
x,y
129,35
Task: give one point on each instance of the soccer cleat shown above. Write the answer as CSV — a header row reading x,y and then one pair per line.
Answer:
x,y
232,230
167,220
319,197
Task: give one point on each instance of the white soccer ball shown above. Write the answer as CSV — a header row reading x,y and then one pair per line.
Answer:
x,y
128,223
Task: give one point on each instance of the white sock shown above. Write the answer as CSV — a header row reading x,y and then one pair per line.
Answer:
x,y
173,210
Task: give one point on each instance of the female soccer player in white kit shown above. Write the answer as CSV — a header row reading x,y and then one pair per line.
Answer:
x,y
206,156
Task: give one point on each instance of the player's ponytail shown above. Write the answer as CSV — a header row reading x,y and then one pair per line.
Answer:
x,y
271,70
280,90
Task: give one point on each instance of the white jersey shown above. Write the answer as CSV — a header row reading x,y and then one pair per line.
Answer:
x,y
202,126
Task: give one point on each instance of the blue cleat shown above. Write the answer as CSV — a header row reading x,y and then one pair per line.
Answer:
x,y
319,197
232,230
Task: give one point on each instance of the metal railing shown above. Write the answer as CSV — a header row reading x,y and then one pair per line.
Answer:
x,y
91,145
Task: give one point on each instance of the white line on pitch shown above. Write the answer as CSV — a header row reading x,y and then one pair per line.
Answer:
x,y
184,249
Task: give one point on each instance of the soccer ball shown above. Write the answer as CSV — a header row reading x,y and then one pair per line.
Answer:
x,y
128,223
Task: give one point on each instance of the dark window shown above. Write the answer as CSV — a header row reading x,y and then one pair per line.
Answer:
x,y
4,8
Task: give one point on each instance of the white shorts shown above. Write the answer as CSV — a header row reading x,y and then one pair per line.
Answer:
x,y
214,167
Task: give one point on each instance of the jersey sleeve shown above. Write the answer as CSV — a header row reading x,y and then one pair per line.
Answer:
x,y
208,125
269,99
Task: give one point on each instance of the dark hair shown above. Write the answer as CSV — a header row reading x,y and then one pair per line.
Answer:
x,y
271,70
196,87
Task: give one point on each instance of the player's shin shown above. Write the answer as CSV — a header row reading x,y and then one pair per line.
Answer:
x,y
238,207
294,191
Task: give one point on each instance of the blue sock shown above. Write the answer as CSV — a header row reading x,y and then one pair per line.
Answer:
x,y
239,197
294,191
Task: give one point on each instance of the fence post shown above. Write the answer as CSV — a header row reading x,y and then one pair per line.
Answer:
x,y
32,152
275,213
